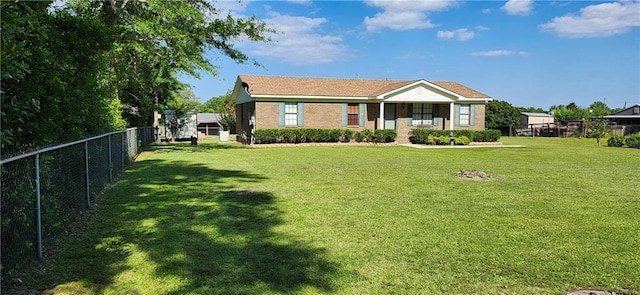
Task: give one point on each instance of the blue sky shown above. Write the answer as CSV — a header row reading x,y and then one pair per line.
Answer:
x,y
529,53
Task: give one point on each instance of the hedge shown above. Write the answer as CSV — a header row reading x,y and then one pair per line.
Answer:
x,y
422,136
303,135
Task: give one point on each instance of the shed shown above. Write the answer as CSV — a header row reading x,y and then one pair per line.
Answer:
x,y
625,122
208,123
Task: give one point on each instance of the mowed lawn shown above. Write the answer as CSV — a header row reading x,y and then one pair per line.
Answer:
x,y
558,215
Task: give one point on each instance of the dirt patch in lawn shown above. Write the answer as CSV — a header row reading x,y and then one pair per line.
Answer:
x,y
474,174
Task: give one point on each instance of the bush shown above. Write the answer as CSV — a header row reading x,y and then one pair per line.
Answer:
x,y
633,140
384,135
364,136
462,140
427,136
615,141
346,135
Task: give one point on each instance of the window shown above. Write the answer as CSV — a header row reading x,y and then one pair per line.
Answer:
x,y
636,110
422,114
465,114
290,114
352,114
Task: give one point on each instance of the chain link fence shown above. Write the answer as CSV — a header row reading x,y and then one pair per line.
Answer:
x,y
45,190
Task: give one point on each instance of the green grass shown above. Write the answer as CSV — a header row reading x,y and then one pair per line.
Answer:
x,y
559,215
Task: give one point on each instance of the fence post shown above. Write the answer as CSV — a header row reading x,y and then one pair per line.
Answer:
x,y
38,211
122,135
86,174
110,166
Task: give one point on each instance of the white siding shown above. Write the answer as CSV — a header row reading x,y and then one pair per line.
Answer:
x,y
420,93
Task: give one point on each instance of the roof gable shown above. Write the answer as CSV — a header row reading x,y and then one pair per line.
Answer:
x,y
633,110
334,87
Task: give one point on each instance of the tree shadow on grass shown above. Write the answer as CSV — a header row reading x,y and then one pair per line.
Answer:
x,y
200,233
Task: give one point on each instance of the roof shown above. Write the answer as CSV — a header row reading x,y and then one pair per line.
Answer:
x,y
208,118
536,114
630,112
332,87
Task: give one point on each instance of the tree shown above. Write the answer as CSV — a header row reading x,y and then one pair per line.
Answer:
x,y
501,114
598,128
159,40
53,77
531,110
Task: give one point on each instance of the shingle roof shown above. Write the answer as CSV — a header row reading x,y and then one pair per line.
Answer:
x,y
305,86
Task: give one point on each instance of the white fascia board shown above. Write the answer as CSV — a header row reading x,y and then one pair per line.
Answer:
x,y
424,82
309,97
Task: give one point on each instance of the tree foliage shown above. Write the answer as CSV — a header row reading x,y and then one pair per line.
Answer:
x,y
53,78
95,66
501,114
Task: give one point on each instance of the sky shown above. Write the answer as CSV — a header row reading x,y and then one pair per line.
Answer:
x,y
528,53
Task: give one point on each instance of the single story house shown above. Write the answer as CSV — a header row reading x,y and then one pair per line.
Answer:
x,y
625,122
403,105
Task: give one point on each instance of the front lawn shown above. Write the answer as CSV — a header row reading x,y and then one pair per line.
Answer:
x,y
557,215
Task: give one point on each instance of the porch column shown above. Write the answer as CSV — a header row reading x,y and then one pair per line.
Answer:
x,y
381,123
451,114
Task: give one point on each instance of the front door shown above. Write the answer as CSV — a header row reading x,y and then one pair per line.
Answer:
x,y
390,116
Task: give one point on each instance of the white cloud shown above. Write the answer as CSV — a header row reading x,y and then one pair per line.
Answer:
x,y
459,34
518,7
482,28
486,11
298,42
500,53
404,14
599,20
301,2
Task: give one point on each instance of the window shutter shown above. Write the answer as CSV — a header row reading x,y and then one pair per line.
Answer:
x,y
344,115
409,114
301,114
361,108
436,114
472,114
281,114
457,115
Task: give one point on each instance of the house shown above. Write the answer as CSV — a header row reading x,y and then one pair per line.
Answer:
x,y
625,122
536,124
403,105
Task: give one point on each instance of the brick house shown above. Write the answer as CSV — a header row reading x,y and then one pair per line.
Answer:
x,y
300,102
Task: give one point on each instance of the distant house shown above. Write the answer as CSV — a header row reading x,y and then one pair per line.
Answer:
x,y
625,122
300,102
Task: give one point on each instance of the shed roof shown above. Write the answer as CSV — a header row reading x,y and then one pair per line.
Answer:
x,y
536,114
335,87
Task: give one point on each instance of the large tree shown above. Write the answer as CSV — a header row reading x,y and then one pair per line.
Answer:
x,y
80,69
501,115
53,81
159,40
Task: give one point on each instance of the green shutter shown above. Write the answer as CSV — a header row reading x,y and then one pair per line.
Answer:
x,y
344,115
281,114
409,114
301,114
472,114
361,108
436,114
457,115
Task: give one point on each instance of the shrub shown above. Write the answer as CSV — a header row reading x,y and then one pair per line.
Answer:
x,y
427,136
633,140
346,135
462,140
364,136
615,141
443,140
384,135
